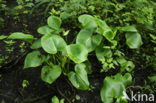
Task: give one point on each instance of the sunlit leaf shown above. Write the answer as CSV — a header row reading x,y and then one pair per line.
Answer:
x,y
88,22
114,87
77,52
79,78
2,37
129,29
45,30
105,30
53,43
54,22
133,40
55,99
90,41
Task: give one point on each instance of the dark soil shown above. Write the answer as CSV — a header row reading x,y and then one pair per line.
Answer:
x,y
11,90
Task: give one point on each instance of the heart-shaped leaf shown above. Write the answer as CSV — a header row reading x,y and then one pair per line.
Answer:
x,y
133,40
114,87
53,43
90,41
77,52
50,74
21,36
54,22
79,78
45,30
33,59
88,22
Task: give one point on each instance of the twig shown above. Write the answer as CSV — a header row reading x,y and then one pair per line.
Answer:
x,y
57,87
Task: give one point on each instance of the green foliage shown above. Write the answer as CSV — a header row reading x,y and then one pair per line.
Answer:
x,y
53,43
2,37
25,83
54,22
117,33
45,30
114,87
50,74
36,44
21,36
56,100
33,59
133,40
89,40
79,78
77,52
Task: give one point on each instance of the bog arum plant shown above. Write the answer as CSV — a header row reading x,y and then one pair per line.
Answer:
x,y
90,39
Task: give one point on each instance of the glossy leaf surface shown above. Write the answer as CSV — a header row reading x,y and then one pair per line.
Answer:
x,y
90,41
79,78
53,43
133,40
77,52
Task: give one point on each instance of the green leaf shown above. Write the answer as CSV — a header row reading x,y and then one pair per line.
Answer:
x,y
111,89
36,44
25,83
65,33
105,30
2,37
87,22
88,67
21,36
152,78
102,53
77,52
33,59
90,41
54,22
62,101
55,99
128,65
114,87
65,15
153,37
126,79
108,34
45,30
129,29
125,65
79,78
53,43
133,40
50,74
